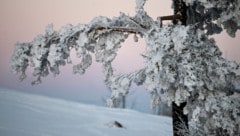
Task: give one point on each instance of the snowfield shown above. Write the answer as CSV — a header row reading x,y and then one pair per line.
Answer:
x,y
32,115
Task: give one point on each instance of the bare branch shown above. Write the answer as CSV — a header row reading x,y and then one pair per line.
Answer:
x,y
119,29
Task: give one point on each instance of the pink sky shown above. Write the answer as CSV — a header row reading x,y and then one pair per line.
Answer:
x,y
22,20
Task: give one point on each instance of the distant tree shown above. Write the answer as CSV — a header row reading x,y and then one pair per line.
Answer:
x,y
180,58
119,102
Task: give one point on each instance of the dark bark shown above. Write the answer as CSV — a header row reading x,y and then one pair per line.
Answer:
x,y
180,8
123,102
178,116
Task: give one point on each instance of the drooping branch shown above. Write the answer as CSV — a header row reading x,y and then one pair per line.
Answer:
x,y
48,52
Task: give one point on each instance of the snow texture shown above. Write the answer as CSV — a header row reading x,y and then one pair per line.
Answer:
x,y
215,15
140,5
188,66
32,115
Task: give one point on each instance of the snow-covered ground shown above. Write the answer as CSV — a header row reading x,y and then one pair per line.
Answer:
x,y
32,115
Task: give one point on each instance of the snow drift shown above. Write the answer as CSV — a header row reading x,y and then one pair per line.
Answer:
x,y
32,115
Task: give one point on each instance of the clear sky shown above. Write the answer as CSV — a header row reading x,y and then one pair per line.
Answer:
x,y
22,20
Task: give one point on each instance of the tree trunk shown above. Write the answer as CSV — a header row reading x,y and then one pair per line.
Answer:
x,y
123,102
178,118
177,111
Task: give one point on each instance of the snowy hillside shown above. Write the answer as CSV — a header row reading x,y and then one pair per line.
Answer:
x,y
31,115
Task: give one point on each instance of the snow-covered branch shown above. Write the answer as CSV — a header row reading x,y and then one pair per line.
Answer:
x,y
47,52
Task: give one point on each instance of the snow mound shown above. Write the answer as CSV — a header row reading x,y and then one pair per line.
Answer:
x,y
32,115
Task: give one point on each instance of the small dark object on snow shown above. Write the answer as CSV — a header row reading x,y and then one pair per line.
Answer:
x,y
117,124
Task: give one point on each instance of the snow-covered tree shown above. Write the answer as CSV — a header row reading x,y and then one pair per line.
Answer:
x,y
180,59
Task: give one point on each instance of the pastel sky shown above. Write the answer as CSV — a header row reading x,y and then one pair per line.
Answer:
x,y
22,20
